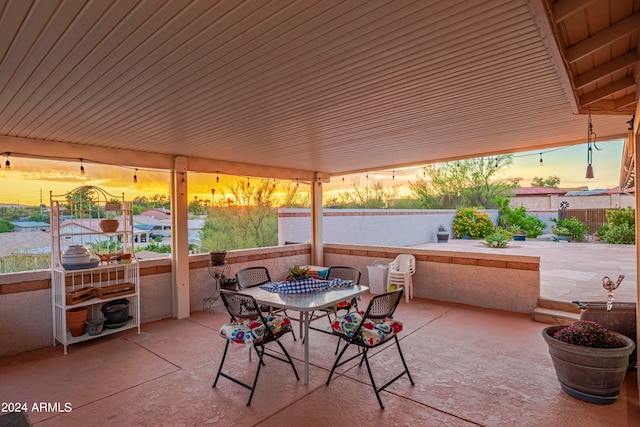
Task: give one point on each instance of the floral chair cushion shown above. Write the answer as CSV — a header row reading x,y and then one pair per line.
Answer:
x,y
252,330
373,332
343,304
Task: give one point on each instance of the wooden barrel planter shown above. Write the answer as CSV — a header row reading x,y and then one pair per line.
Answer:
x,y
591,374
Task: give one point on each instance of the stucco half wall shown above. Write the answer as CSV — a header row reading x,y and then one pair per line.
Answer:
x,y
499,281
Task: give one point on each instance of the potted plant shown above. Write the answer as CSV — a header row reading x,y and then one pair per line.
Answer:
x,y
590,361
561,233
297,273
569,229
518,233
443,234
217,256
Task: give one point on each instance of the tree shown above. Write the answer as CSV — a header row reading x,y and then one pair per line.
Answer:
x,y
467,183
293,198
197,206
371,196
248,220
553,181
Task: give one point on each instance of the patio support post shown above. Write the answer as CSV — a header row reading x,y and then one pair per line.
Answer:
x,y
179,239
634,143
317,245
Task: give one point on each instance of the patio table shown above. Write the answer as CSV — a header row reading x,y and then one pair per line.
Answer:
x,y
305,303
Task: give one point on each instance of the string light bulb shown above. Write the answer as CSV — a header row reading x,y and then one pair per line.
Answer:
x,y
7,164
496,163
81,168
135,176
541,162
393,176
217,178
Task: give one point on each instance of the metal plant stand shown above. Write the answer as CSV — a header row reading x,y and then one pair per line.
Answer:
x,y
218,273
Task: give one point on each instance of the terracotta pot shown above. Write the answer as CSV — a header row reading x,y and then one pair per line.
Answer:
x,y
591,374
109,225
217,257
75,320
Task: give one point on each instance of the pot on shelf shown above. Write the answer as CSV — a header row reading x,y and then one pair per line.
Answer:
x,y
116,311
594,375
76,318
109,225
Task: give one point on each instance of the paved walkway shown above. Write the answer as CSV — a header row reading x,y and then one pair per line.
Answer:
x,y
568,271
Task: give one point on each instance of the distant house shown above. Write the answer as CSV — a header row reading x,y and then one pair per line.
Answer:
x,y
534,198
157,213
22,226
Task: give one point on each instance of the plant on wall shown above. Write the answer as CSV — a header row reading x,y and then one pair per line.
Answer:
x,y
473,223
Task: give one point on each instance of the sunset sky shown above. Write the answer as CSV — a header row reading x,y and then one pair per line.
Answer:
x,y
30,179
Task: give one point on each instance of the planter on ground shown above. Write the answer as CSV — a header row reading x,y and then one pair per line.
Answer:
x,y
591,374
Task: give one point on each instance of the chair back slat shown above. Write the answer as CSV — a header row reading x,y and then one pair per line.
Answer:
x,y
252,276
240,306
382,306
344,273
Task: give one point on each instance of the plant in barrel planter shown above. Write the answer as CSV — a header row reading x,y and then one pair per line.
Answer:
x,y
590,361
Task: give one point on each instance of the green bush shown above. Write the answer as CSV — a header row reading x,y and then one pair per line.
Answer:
x,y
620,227
472,223
621,234
621,216
511,218
574,226
500,238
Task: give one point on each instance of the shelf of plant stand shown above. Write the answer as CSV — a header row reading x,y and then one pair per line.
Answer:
x,y
96,300
106,331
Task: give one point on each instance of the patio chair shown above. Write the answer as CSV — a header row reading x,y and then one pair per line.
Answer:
x,y
344,273
256,276
399,275
250,327
368,330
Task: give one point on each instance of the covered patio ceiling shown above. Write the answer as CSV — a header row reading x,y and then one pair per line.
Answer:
x,y
309,89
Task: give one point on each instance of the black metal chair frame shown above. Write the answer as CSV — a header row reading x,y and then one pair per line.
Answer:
x,y
345,273
255,276
380,307
241,306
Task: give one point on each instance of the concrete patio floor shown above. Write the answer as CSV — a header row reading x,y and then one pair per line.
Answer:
x,y
471,366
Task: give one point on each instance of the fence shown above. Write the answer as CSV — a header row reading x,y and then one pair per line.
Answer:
x,y
594,218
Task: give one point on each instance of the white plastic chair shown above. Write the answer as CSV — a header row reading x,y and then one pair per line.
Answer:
x,y
399,276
